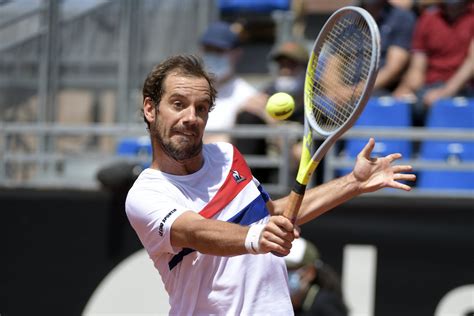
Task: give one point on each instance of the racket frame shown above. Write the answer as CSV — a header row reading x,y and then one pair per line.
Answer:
x,y
309,161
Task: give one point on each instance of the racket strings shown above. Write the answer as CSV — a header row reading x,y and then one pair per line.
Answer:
x,y
344,71
339,73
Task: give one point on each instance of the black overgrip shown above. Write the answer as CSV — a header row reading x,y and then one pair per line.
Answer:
x,y
299,188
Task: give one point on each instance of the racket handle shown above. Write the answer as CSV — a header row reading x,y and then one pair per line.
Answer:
x,y
294,202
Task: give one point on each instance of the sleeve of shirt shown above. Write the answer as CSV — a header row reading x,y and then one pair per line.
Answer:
x,y
404,33
151,215
263,193
419,36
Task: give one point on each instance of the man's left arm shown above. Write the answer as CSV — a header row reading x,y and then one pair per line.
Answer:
x,y
369,175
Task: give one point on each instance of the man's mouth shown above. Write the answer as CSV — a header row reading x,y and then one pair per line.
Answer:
x,y
188,133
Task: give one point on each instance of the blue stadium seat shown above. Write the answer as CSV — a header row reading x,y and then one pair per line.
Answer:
x,y
448,113
382,112
256,6
135,147
451,112
444,179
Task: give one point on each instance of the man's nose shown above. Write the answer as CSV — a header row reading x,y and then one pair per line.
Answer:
x,y
189,114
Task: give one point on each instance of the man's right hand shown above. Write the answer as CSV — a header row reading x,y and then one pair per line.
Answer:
x,y
278,235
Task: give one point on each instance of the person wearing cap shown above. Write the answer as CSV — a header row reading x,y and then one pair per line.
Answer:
x,y
221,50
315,287
396,27
442,59
290,58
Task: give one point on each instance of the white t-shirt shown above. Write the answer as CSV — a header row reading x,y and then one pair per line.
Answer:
x,y
200,284
230,99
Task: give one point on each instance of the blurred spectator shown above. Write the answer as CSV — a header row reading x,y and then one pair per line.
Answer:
x,y
290,58
442,61
315,287
221,50
396,26
404,4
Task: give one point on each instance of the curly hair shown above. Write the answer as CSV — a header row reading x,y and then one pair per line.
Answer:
x,y
188,65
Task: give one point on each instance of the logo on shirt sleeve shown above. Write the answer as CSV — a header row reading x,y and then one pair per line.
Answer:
x,y
237,177
163,221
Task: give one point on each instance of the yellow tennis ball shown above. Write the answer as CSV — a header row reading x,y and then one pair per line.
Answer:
x,y
280,106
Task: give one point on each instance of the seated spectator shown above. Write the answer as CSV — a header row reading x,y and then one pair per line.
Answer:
x,y
315,287
291,59
396,28
222,50
442,61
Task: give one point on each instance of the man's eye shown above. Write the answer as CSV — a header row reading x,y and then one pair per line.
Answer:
x,y
178,105
203,109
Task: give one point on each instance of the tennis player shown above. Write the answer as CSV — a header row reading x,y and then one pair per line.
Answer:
x,y
206,222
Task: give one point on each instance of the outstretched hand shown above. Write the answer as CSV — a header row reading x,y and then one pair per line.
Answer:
x,y
377,173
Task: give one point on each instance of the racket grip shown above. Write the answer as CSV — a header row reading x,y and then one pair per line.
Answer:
x,y
294,204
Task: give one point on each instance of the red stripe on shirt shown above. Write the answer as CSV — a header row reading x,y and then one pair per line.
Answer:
x,y
231,187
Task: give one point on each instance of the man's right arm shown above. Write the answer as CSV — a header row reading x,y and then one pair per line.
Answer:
x,y
220,238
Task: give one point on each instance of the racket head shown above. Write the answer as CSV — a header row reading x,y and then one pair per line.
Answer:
x,y
341,70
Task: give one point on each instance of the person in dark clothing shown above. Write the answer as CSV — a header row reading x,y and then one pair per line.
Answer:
x,y
315,287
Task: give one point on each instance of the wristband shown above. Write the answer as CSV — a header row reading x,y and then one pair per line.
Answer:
x,y
253,237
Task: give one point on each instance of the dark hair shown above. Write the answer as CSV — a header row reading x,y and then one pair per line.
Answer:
x,y
188,65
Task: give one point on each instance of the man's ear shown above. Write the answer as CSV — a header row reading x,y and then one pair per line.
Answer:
x,y
149,109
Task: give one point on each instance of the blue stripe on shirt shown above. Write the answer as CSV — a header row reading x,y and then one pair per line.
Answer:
x,y
252,213
264,194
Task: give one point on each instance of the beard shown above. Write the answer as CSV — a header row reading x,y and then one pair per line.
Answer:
x,y
178,150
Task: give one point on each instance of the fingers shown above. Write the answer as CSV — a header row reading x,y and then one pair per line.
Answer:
x,y
367,150
399,185
404,177
278,235
399,173
398,176
393,157
401,168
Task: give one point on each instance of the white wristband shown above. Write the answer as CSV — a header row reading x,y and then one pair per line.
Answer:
x,y
253,237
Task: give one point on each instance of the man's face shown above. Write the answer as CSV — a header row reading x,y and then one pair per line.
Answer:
x,y
181,116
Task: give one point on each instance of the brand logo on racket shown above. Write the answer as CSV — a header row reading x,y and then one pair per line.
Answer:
x,y
237,177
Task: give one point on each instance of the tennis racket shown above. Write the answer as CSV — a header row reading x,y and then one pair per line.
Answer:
x,y
339,80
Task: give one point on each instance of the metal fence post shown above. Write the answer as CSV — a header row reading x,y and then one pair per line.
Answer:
x,y
127,50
